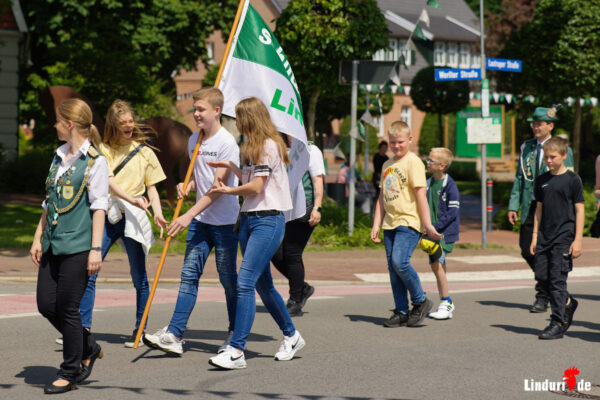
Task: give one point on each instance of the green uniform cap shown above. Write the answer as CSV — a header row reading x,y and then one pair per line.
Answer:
x,y
543,114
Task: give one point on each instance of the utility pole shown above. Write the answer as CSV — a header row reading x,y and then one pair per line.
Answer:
x,y
485,113
352,161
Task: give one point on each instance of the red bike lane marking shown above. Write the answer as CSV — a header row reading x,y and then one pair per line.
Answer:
x,y
26,303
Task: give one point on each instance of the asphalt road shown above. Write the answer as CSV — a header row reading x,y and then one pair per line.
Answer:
x,y
487,351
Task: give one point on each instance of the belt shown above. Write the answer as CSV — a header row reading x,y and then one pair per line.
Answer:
x,y
262,213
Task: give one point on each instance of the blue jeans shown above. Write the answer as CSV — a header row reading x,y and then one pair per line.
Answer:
x,y
260,237
399,246
137,268
201,238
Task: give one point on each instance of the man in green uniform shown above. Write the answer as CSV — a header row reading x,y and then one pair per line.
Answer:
x,y
531,165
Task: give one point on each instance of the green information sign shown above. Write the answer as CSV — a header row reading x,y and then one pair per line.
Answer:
x,y
466,149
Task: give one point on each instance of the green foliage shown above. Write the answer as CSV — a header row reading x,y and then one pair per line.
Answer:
x,y
27,173
317,35
18,223
574,49
489,6
360,145
211,76
332,232
463,171
558,63
438,97
111,48
590,210
430,134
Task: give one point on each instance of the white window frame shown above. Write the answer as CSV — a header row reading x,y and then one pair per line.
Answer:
x,y
452,55
406,115
391,53
465,55
404,51
210,52
475,60
439,54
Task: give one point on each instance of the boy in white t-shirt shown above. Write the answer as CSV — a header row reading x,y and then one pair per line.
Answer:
x,y
211,221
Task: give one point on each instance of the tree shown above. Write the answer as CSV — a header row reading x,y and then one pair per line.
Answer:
x,y
316,35
109,49
560,50
514,14
438,97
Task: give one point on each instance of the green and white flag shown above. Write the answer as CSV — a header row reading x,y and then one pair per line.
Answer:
x,y
256,66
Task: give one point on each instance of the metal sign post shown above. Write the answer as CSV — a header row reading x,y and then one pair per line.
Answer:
x,y
485,110
352,161
355,72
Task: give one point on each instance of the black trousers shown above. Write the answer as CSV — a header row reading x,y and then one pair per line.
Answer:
x,y
525,234
288,257
552,266
61,283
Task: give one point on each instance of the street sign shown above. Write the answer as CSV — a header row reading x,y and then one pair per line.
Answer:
x,y
485,98
457,74
501,64
369,72
484,130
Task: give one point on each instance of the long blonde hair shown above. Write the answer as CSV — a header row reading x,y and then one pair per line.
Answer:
x,y
141,132
80,113
253,121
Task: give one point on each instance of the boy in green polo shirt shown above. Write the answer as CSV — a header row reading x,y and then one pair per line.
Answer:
x,y
444,203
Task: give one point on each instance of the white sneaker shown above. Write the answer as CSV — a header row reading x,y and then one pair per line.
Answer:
x,y
165,341
228,359
59,341
226,343
289,346
444,311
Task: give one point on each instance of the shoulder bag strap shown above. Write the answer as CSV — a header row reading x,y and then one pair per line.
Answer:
x,y
126,160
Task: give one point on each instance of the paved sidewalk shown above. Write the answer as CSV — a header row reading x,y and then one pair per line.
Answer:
x,y
327,266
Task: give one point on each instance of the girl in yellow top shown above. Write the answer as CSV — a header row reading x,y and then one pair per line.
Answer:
x,y
126,218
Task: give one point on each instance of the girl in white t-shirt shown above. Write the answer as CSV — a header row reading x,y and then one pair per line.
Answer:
x,y
266,193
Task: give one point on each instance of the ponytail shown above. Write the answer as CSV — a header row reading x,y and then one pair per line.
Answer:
x,y
94,136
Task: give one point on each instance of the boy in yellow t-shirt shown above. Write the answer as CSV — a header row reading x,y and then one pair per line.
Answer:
x,y
402,208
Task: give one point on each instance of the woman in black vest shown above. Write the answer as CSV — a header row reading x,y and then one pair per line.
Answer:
x,y
66,244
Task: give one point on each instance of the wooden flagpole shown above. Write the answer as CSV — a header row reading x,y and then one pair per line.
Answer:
x,y
185,183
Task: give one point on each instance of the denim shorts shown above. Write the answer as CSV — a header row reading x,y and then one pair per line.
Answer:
x,y
442,259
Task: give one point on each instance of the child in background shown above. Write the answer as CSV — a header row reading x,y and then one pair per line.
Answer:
x,y
557,234
402,208
444,203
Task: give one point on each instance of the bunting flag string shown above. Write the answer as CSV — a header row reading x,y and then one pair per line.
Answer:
x,y
509,98
433,3
422,43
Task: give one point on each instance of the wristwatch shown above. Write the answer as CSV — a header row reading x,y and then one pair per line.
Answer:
x,y
97,248
318,209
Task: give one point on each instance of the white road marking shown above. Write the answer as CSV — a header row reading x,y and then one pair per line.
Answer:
x,y
493,259
480,276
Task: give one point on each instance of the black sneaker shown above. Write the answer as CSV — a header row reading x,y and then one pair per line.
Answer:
x,y
307,291
396,320
419,312
552,331
569,311
294,308
539,306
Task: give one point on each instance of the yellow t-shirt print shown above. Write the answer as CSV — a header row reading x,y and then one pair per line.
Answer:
x,y
400,178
